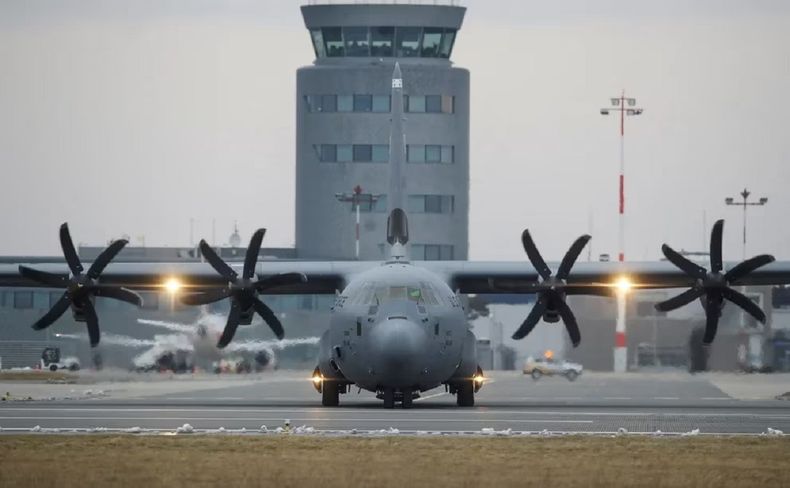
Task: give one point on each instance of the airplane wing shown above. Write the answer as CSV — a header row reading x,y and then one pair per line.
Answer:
x,y
321,277
521,277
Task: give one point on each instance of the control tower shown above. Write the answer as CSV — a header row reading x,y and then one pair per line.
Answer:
x,y
343,127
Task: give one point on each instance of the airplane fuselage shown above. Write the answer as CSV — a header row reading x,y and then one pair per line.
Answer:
x,y
400,327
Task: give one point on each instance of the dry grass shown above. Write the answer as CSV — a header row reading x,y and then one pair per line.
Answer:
x,y
35,375
76,461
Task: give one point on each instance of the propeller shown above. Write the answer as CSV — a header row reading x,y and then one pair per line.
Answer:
x,y
714,287
552,289
243,290
81,288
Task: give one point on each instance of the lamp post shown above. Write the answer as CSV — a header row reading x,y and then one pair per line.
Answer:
x,y
626,107
745,204
356,198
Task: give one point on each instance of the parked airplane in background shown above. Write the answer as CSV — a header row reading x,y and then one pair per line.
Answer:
x,y
397,328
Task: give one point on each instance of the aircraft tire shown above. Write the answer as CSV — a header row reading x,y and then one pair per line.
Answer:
x,y
389,398
407,399
330,394
465,396
536,374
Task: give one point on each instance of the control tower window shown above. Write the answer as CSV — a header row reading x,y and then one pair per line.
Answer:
x,y
433,204
431,41
327,153
381,41
432,252
363,153
328,103
381,153
357,43
415,103
447,43
333,39
345,153
318,43
363,103
345,103
381,103
408,42
433,104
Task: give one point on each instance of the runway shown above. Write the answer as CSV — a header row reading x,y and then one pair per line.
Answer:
x,y
595,403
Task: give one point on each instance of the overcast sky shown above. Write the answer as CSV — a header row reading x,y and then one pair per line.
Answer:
x,y
131,117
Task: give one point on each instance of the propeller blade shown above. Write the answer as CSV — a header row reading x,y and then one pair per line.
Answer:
x,y
69,252
122,294
711,325
92,322
216,262
716,264
680,300
105,257
570,322
745,303
252,253
532,319
690,268
534,255
746,267
231,325
206,297
54,313
280,280
571,256
50,279
269,317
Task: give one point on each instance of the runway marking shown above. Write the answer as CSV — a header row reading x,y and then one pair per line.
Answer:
x,y
716,398
617,398
666,398
482,411
300,419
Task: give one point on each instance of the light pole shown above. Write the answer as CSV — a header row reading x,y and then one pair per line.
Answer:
x,y
626,107
356,198
745,204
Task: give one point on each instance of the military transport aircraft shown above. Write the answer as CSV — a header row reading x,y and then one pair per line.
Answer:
x,y
397,327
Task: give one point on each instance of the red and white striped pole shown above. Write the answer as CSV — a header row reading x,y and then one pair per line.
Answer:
x,y
626,106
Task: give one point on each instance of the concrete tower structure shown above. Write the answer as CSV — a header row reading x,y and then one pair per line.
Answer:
x,y
343,108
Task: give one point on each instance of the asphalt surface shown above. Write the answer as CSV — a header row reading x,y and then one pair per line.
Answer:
x,y
670,403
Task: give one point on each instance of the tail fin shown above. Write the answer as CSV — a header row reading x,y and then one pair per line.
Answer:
x,y
397,223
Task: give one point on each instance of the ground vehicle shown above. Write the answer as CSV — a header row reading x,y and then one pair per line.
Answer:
x,y
549,367
50,359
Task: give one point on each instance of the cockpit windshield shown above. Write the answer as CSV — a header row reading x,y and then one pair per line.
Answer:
x,y
376,294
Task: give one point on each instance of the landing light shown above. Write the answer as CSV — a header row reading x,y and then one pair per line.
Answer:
x,y
317,379
624,284
478,378
172,285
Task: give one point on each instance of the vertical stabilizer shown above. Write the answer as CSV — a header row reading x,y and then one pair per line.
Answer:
x,y
397,224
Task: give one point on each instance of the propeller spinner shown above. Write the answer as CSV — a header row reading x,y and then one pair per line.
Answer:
x,y
713,286
243,290
80,288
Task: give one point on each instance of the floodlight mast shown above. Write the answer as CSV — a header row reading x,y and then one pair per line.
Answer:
x,y
356,198
626,107
745,204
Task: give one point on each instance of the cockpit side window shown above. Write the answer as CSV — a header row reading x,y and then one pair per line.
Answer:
x,y
428,294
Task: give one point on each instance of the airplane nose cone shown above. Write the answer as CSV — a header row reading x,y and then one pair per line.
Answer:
x,y
399,348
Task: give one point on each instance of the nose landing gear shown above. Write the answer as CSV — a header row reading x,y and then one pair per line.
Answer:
x,y
390,396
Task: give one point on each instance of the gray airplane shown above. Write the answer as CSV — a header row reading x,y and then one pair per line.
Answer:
x,y
398,328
